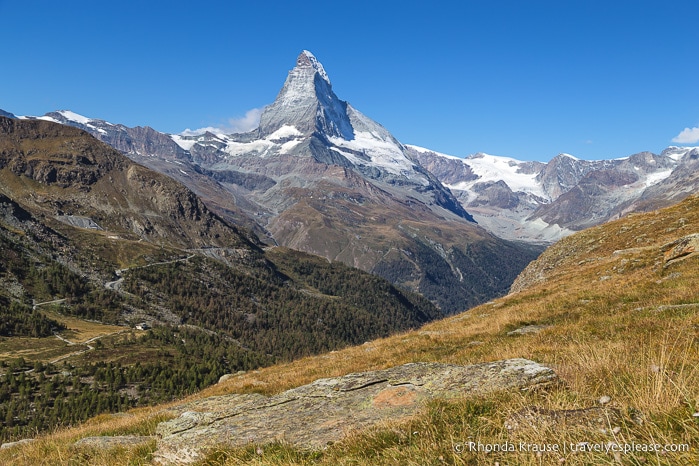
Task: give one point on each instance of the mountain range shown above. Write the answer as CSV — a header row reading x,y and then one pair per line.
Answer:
x,y
544,202
319,176
91,241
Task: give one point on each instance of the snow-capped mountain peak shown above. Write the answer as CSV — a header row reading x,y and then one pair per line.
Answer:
x,y
563,154
486,168
307,102
70,115
677,153
306,59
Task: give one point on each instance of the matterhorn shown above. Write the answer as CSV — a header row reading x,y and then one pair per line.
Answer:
x,y
318,176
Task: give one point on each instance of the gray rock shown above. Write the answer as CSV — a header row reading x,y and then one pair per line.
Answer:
x,y
78,221
527,329
24,441
314,415
680,249
107,442
307,103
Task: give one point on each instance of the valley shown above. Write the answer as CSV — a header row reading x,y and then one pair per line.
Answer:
x,y
319,176
612,309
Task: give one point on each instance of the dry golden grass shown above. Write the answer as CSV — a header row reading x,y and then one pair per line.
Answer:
x,y
32,349
81,331
622,325
52,349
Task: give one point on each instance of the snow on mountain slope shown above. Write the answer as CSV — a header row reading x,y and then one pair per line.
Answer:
x,y
492,168
534,201
369,148
69,117
308,124
677,153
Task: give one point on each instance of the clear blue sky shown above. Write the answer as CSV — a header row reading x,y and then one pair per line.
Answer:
x,y
526,79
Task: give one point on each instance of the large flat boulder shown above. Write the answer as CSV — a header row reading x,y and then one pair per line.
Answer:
x,y
314,415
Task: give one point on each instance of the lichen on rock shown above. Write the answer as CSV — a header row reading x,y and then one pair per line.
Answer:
x,y
314,415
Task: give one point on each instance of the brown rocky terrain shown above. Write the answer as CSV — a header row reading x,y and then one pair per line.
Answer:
x,y
62,171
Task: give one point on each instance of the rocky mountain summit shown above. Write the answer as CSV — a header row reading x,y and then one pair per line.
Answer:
x,y
308,121
307,103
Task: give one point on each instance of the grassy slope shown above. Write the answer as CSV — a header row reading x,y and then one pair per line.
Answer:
x,y
621,325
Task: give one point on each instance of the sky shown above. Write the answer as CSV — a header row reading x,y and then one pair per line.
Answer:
x,y
523,79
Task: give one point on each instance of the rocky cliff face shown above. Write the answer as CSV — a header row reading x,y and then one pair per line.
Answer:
x,y
73,174
307,103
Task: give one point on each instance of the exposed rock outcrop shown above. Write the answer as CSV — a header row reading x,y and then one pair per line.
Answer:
x,y
24,441
527,329
314,415
681,249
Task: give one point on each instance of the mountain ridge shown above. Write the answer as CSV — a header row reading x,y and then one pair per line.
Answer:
x,y
537,202
544,202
